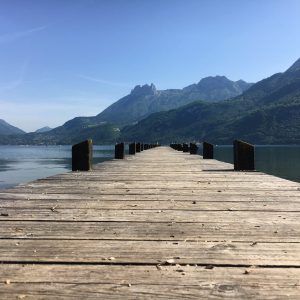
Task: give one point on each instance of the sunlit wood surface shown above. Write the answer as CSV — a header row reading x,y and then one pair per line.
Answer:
x,y
160,225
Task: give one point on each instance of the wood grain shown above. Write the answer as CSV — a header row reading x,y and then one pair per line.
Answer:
x,y
161,224
146,282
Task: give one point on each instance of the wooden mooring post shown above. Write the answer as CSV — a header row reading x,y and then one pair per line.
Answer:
x,y
138,147
193,148
208,150
120,151
185,147
82,156
176,146
243,154
132,148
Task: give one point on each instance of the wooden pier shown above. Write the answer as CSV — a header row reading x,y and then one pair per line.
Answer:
x,y
161,224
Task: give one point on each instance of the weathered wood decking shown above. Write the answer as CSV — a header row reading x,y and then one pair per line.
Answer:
x,y
160,224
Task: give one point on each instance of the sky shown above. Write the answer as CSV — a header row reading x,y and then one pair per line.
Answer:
x,y
65,58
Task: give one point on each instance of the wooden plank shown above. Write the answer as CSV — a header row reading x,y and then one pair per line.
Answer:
x,y
152,215
150,252
208,196
136,282
196,185
163,231
209,204
161,191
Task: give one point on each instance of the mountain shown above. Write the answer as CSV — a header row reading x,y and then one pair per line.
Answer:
x,y
7,129
216,88
265,112
268,112
295,66
145,100
43,129
64,135
140,103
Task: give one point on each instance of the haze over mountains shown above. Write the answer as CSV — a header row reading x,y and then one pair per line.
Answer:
x,y
215,109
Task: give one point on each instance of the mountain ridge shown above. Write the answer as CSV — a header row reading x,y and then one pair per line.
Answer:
x,y
272,105
43,129
146,99
94,127
8,129
260,114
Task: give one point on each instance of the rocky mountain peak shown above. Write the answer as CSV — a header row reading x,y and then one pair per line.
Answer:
x,y
214,80
145,89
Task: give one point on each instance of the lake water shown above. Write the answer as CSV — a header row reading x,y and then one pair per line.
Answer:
x,y
20,164
281,161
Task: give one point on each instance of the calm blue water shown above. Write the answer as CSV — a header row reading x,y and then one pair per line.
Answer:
x,y
282,161
20,164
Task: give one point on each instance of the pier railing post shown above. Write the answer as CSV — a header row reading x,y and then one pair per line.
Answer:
x,y
138,147
82,156
176,146
120,151
132,148
193,148
185,147
208,151
243,154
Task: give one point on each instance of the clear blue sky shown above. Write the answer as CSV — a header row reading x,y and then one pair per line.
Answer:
x,y
65,58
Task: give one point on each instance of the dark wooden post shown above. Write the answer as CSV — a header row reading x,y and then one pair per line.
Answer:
x,y
82,156
193,148
119,151
142,147
138,147
243,154
132,148
185,147
208,150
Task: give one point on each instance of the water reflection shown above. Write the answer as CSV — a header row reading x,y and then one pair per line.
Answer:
x,y
282,161
20,164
